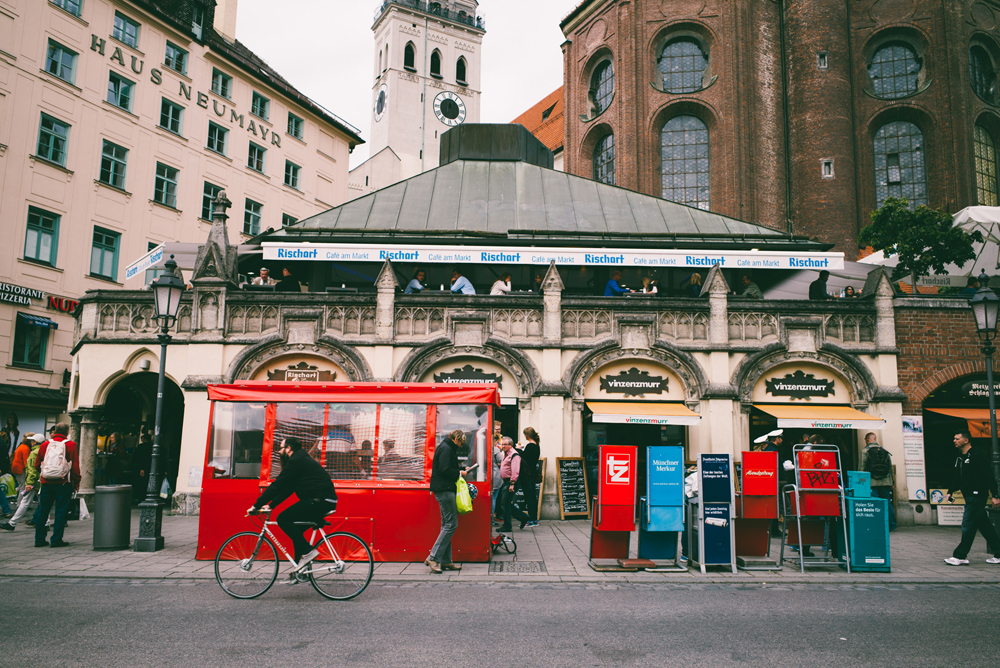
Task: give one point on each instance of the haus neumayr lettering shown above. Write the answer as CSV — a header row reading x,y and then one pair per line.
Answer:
x,y
201,99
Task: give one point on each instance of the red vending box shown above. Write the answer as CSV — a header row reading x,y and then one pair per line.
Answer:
x,y
616,488
760,485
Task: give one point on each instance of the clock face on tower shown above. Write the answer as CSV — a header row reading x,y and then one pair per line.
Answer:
x,y
449,108
381,102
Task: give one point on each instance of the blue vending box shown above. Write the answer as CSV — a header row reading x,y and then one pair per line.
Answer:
x,y
663,506
859,483
868,533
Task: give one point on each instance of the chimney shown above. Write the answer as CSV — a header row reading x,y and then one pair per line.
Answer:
x,y
225,18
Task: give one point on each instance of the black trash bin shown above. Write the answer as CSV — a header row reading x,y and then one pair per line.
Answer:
x,y
113,517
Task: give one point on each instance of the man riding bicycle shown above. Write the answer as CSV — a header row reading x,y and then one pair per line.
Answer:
x,y
308,480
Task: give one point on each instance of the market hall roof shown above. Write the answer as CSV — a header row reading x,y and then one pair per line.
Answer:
x,y
495,184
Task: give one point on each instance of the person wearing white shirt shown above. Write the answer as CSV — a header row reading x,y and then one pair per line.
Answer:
x,y
417,284
648,286
264,278
461,284
502,286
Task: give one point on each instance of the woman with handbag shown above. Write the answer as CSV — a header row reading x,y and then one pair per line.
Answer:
x,y
444,477
529,476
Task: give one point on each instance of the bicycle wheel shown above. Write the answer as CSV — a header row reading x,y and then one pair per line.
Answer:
x,y
343,568
246,565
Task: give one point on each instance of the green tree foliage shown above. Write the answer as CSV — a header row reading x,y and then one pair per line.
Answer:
x,y
922,239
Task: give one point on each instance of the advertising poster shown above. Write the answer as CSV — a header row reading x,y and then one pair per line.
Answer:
x,y
716,478
913,457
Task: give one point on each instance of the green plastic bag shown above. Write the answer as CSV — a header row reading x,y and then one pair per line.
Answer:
x,y
462,497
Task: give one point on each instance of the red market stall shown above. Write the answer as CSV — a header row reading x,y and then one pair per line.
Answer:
x,y
376,440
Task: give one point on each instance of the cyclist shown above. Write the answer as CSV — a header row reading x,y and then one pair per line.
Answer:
x,y
308,480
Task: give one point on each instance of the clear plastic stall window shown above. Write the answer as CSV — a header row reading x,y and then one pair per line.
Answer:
x,y
402,442
473,419
237,440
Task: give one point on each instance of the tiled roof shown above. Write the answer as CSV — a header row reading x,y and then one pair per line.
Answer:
x,y
548,130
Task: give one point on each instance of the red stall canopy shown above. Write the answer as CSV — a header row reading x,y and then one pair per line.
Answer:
x,y
396,393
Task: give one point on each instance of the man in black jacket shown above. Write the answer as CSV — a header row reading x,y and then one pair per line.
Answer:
x,y
974,477
307,479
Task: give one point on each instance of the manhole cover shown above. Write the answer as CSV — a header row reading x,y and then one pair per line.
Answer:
x,y
517,567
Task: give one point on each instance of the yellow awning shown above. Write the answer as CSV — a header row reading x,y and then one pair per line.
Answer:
x,y
978,419
640,412
819,416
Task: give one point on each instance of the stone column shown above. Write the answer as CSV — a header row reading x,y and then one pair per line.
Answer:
x,y
552,287
885,319
385,305
718,303
83,430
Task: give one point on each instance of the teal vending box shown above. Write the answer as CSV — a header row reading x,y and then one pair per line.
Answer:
x,y
868,534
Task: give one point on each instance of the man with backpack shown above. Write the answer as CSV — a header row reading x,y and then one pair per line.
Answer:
x,y
877,461
59,475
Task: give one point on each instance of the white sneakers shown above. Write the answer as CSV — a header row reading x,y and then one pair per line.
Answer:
x,y
993,560
312,555
952,561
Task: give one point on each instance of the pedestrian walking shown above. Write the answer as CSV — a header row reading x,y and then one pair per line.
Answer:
x,y
877,461
529,476
59,475
20,462
495,477
10,434
30,492
444,476
974,477
510,470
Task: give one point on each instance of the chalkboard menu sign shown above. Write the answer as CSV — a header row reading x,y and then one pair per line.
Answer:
x,y
716,478
539,487
571,479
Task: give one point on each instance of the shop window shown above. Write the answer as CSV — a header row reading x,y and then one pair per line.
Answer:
x,y
165,185
171,116
894,71
410,57
218,138
222,84
251,218
209,193
114,160
982,74
602,87
899,163
71,6
61,62
460,71
237,446
986,167
260,106
126,30
255,157
42,238
31,338
682,65
53,136
294,125
292,174
436,64
604,160
685,162
175,58
120,91
104,254
473,421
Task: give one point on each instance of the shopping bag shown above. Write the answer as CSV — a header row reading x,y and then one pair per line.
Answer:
x,y
7,485
74,509
165,489
84,511
462,497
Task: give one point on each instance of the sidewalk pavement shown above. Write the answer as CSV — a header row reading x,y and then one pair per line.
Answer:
x,y
556,551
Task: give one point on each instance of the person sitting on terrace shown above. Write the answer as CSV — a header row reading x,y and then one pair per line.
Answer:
x,y
849,291
264,278
502,286
614,288
817,289
750,289
693,285
649,286
970,287
288,283
418,283
461,284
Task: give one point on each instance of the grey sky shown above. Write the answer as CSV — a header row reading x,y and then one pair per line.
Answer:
x,y
325,49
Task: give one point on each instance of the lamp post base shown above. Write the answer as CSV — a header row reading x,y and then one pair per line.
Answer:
x,y
150,521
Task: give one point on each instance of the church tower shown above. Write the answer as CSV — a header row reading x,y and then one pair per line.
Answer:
x,y
426,81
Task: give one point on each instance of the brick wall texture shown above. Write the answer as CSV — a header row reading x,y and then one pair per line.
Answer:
x,y
774,114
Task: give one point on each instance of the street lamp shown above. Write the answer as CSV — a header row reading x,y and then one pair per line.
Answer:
x,y
985,306
167,290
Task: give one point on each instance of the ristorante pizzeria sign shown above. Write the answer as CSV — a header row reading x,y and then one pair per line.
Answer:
x,y
634,383
799,385
15,294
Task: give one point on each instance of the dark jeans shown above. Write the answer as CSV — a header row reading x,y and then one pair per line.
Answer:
x,y
306,510
976,519
507,503
52,494
885,492
527,484
441,552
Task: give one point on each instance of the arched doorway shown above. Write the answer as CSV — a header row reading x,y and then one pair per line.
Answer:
x,y
130,410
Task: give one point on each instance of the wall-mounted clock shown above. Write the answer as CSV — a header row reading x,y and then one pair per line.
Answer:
x,y
381,102
449,108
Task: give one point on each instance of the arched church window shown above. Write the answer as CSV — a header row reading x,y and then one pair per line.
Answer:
x,y
604,160
894,71
982,74
684,167
683,65
460,71
436,64
602,86
410,57
899,163
986,167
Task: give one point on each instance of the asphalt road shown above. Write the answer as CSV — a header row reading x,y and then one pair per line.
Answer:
x,y
110,624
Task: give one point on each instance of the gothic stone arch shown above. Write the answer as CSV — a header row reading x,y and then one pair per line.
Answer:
x,y
419,361
249,361
682,364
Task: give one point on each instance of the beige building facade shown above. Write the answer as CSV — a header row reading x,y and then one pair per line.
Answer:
x,y
119,121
